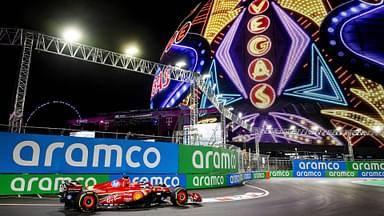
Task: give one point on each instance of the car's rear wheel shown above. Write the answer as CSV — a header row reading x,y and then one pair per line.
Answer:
x,y
179,196
87,201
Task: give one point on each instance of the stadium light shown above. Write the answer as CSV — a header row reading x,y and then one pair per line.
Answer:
x,y
180,64
131,50
71,34
315,128
378,129
206,76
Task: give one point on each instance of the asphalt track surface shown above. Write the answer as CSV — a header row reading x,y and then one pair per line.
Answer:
x,y
336,197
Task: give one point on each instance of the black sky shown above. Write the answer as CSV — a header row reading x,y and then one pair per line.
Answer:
x,y
90,88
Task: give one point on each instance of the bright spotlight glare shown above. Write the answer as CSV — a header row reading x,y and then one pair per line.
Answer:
x,y
378,128
315,128
240,115
131,51
339,128
71,34
206,76
269,127
180,64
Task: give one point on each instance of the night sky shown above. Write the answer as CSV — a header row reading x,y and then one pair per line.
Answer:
x,y
89,87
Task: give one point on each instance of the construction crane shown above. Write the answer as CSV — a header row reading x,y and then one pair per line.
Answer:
x,y
32,40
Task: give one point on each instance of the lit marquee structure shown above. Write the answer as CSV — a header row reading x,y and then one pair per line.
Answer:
x,y
285,64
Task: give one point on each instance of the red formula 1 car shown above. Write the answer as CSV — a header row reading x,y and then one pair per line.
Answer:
x,y
122,193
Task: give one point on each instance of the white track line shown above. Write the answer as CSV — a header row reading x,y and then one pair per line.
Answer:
x,y
246,196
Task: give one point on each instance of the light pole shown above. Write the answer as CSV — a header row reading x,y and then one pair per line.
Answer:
x,y
223,125
350,147
348,135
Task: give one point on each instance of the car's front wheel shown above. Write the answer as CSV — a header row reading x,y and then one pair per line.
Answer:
x,y
179,196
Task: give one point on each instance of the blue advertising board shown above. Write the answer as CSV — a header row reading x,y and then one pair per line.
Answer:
x,y
234,179
316,168
26,153
247,176
170,180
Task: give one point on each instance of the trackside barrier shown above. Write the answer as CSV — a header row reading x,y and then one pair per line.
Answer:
x,y
28,184
203,160
24,184
318,168
27,153
28,161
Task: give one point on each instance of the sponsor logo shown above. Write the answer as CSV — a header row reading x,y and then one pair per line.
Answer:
x,y
235,179
281,173
371,174
33,158
45,184
309,174
208,181
341,174
169,181
247,176
259,175
220,160
318,165
367,166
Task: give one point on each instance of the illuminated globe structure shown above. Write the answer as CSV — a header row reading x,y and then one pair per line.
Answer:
x,y
287,65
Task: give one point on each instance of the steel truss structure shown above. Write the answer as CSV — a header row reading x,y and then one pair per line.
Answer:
x,y
58,46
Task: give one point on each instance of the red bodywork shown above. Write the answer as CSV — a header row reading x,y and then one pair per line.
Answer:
x,y
122,192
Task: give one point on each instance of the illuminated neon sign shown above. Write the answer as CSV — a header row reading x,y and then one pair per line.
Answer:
x,y
258,24
183,31
224,57
178,36
299,43
161,81
262,96
259,45
258,7
260,69
323,86
213,83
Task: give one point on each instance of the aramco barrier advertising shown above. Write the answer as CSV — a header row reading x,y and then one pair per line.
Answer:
x,y
13,184
198,160
27,153
318,168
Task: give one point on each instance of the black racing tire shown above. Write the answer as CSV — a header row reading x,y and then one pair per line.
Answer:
x,y
179,196
88,201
